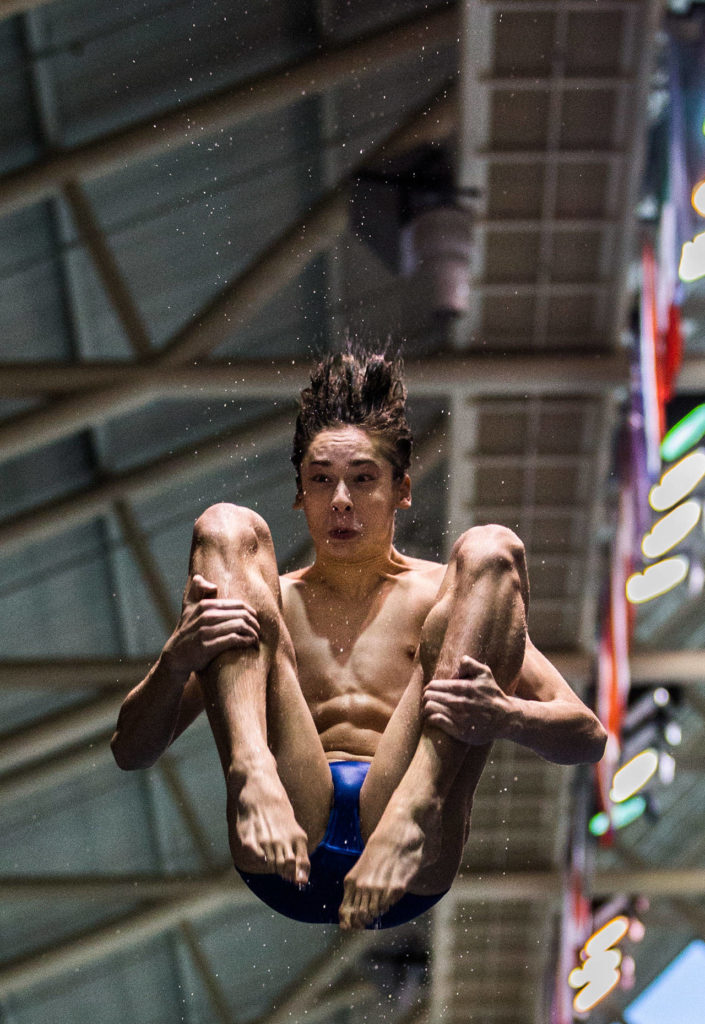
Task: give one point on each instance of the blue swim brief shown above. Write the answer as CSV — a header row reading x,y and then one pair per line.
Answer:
x,y
319,900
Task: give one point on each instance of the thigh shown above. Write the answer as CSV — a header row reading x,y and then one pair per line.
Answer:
x,y
233,548
396,747
293,739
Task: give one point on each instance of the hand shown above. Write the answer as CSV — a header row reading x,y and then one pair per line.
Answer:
x,y
472,708
208,626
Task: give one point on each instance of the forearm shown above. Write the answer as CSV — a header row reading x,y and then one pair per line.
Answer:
x,y
148,717
561,731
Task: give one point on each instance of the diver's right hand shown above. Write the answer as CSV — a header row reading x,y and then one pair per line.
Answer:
x,y
208,625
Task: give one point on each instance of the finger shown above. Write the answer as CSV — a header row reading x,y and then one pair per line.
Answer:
x,y
436,713
250,622
470,667
445,724
229,642
435,707
460,685
242,608
219,608
198,587
228,627
216,620
224,622
445,694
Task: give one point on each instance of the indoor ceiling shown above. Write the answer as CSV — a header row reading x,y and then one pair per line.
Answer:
x,y
175,246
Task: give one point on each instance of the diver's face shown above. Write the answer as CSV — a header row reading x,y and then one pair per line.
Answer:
x,y
349,494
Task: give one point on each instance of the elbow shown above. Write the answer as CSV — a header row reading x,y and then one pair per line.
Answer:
x,y
595,742
126,759
599,741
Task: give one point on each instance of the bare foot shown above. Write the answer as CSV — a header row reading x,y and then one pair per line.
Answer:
x,y
404,841
265,837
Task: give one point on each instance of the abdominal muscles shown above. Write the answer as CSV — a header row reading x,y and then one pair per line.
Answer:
x,y
350,724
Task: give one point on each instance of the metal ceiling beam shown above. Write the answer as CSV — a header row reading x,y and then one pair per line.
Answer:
x,y
132,930
220,1004
206,897
667,667
532,289
598,437
137,542
647,668
543,83
495,225
48,741
55,734
218,320
516,157
54,517
74,674
320,979
646,18
202,119
117,889
550,6
549,192
58,732
9,8
27,782
510,374
231,308
531,885
114,284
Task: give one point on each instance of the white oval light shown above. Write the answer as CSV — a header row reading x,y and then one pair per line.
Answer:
x,y
671,529
692,262
673,734
607,935
678,481
599,972
630,778
697,198
657,579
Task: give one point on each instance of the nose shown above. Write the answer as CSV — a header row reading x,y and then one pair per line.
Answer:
x,y
341,501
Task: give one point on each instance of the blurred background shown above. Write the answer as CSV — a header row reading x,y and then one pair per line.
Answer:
x,y
197,197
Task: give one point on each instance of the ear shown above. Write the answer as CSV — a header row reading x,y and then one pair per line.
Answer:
x,y
299,499
404,492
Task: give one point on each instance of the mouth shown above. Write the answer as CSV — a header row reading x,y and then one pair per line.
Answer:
x,y
342,533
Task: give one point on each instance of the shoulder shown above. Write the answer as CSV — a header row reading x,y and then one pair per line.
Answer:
x,y
291,584
289,580
417,569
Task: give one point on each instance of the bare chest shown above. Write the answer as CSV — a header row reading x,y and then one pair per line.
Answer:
x,y
356,649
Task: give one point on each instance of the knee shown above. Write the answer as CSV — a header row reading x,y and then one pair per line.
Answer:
x,y
224,524
489,549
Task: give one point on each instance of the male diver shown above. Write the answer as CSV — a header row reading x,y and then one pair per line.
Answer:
x,y
353,702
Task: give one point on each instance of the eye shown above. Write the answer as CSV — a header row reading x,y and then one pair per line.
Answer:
x,y
363,478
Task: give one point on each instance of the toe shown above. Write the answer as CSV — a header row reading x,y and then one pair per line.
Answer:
x,y
375,905
286,864
360,909
302,865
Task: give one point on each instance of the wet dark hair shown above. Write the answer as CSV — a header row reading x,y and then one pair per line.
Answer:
x,y
360,387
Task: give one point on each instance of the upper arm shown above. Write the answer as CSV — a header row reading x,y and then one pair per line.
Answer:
x,y
191,706
540,680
